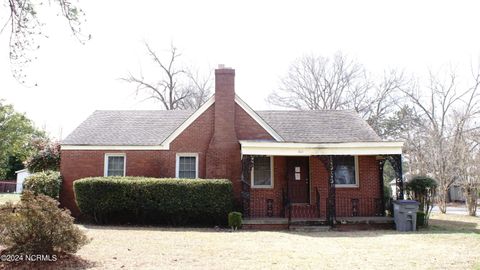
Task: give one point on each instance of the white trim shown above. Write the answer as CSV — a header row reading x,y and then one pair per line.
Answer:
x,y
177,162
188,122
357,177
252,174
105,162
258,119
112,147
312,149
22,170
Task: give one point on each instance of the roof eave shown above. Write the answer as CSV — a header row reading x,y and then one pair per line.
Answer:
x,y
113,147
312,149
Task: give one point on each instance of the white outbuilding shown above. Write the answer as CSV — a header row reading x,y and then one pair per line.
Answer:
x,y
21,175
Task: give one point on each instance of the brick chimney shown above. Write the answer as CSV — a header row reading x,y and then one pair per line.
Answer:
x,y
224,105
223,154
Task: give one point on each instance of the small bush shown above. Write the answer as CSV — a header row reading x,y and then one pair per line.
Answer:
x,y
235,220
35,225
423,190
46,183
155,201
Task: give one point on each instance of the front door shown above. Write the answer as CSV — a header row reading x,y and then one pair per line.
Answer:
x,y
298,182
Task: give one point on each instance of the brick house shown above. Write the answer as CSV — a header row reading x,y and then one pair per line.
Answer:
x,y
324,165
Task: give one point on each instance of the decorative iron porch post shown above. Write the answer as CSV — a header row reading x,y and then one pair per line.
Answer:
x,y
331,200
396,161
381,164
331,192
247,164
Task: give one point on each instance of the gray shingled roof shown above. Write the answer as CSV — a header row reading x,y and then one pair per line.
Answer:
x,y
127,127
325,126
153,127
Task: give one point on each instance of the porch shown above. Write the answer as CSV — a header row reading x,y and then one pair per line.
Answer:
x,y
345,223
341,188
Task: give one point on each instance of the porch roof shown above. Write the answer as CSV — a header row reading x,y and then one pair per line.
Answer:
x,y
272,148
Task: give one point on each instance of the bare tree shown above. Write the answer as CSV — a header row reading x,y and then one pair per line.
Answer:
x,y
380,101
468,170
445,111
25,26
199,86
320,83
175,87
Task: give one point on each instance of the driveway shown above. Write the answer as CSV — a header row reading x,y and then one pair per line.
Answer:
x,y
456,210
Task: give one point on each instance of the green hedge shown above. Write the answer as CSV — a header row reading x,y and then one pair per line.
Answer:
x,y
154,200
46,183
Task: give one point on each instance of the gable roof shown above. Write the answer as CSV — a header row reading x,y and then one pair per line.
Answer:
x,y
157,128
127,127
321,126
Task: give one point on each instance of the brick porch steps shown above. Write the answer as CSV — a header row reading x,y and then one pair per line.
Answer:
x,y
303,210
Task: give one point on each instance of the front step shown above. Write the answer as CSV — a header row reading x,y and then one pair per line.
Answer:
x,y
302,210
300,228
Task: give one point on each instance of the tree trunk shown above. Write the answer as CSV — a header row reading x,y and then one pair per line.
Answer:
x,y
471,196
442,200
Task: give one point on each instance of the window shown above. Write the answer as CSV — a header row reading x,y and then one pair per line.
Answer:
x,y
262,172
114,165
187,165
346,171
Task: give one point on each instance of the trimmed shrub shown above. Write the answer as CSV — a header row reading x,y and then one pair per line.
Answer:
x,y
154,200
46,183
36,225
423,190
235,220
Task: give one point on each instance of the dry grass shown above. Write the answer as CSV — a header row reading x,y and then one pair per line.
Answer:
x,y
453,242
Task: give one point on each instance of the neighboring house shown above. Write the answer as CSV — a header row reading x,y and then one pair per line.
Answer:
x,y
455,193
301,164
21,175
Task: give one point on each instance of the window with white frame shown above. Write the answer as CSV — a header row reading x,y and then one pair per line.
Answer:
x,y
346,171
187,165
114,165
262,172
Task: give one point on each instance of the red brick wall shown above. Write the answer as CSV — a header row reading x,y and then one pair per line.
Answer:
x,y
80,164
214,137
247,128
259,196
366,192
76,164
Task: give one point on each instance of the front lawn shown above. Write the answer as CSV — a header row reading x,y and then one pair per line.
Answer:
x,y
453,242
5,197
